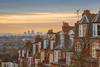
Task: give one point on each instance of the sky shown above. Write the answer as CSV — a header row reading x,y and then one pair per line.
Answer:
x,y
15,12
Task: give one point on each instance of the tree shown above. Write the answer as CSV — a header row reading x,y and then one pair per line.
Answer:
x,y
83,53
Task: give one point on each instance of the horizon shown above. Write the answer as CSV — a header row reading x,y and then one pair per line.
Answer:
x,y
20,28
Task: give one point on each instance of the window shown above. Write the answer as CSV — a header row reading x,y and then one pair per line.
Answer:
x,y
78,47
52,44
39,46
51,58
82,30
61,39
94,29
93,51
94,47
68,58
56,56
42,56
23,53
45,43
98,30
34,49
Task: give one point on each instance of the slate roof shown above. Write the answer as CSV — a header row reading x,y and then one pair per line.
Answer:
x,y
87,18
68,45
97,18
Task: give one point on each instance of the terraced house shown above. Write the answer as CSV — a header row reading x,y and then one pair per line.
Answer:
x,y
87,40
52,50
77,46
64,42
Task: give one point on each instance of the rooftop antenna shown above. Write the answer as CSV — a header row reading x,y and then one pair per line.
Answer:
x,y
77,12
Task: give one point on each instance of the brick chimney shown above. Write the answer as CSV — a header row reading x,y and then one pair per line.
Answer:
x,y
65,26
86,12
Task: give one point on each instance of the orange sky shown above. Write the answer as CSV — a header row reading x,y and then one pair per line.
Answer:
x,y
44,22
39,18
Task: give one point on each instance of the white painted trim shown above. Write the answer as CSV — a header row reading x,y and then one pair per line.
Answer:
x,y
95,30
42,56
87,19
96,18
34,49
80,30
45,43
51,58
56,56
68,58
94,47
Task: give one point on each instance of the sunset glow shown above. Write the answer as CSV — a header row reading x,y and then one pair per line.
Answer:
x,y
39,14
39,18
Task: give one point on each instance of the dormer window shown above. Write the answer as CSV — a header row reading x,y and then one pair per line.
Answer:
x,y
96,25
96,30
82,30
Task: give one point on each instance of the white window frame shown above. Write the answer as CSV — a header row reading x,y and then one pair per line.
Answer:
x,y
95,30
82,33
68,58
45,43
78,47
94,47
34,49
51,58
80,30
42,56
61,39
52,44
56,56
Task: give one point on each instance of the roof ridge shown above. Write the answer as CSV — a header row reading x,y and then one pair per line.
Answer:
x,y
96,18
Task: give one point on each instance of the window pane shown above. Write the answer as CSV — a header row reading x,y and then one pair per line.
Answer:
x,y
98,32
98,28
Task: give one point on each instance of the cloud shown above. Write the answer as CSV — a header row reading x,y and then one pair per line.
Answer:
x,y
22,13
33,17
13,13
